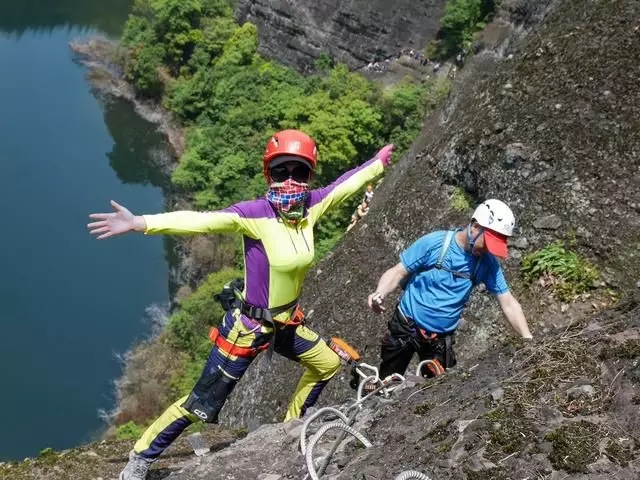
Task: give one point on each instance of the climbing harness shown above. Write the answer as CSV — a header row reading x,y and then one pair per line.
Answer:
x,y
230,298
383,389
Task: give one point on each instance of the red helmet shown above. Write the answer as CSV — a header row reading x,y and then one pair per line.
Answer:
x,y
290,143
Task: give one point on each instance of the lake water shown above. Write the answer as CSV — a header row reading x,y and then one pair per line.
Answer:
x,y
69,302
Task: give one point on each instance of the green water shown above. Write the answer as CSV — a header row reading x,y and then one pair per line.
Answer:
x,y
69,302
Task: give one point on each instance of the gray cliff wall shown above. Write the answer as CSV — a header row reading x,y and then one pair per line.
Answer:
x,y
354,32
551,128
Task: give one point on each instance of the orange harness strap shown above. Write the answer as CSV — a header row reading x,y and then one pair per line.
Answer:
x,y
231,349
297,318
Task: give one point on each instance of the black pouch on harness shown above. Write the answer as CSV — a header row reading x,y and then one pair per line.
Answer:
x,y
228,296
443,349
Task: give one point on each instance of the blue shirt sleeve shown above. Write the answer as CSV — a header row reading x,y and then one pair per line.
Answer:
x,y
420,255
492,276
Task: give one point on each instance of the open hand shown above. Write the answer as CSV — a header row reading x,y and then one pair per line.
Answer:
x,y
110,224
375,302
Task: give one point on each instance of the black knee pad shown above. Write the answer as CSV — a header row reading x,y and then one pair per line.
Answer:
x,y
208,396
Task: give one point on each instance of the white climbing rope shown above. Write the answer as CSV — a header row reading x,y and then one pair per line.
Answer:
x,y
423,364
324,429
307,422
382,390
412,475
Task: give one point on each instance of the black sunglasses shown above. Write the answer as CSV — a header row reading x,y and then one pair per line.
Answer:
x,y
300,173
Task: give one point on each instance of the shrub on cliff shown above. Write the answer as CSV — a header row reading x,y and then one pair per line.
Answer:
x,y
563,270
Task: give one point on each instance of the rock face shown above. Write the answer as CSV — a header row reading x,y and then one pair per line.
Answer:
x,y
562,408
354,32
553,143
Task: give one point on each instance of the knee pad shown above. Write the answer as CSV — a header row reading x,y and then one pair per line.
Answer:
x,y
209,395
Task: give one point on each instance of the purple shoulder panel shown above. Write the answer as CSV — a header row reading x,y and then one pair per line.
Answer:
x,y
258,208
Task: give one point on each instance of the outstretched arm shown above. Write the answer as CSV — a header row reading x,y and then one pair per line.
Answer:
x,y
122,221
389,281
513,311
324,199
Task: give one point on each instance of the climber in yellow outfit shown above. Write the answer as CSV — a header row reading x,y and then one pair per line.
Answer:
x,y
277,233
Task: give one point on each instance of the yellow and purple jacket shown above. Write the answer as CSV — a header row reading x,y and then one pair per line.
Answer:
x,y
277,255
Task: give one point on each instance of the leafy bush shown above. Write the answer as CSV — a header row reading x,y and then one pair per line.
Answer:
x,y
460,200
567,273
129,431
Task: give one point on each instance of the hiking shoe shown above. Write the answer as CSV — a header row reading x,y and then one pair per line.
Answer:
x,y
137,468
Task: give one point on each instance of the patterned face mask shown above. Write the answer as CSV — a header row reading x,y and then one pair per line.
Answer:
x,y
288,198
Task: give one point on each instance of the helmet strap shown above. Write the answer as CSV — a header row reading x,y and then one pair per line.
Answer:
x,y
472,241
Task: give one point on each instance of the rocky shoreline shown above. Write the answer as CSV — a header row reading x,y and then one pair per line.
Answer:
x,y
103,59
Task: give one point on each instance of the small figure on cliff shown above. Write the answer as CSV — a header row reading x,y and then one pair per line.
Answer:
x,y
360,212
368,194
438,273
277,232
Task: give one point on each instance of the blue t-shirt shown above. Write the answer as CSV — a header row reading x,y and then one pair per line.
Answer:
x,y
434,298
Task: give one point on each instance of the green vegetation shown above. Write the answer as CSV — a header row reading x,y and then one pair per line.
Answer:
x,y
191,56
129,431
461,22
46,452
567,273
460,201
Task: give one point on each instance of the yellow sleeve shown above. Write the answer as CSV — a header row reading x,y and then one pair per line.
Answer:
x,y
346,185
187,222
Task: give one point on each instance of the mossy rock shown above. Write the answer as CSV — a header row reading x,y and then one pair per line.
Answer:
x,y
574,446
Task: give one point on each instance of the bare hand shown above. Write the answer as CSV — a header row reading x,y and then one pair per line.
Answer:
x,y
110,224
375,302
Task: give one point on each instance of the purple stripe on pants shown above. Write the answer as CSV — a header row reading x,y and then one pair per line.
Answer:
x,y
166,438
314,394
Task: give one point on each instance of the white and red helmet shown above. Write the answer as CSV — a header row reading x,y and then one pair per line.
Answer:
x,y
498,222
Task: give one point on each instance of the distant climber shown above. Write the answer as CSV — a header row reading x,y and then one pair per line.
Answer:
x,y
438,273
360,212
276,231
368,194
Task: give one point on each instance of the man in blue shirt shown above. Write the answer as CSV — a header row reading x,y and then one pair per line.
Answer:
x,y
438,273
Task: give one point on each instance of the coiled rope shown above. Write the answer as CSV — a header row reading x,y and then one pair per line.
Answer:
x,y
322,411
345,423
324,429
412,475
